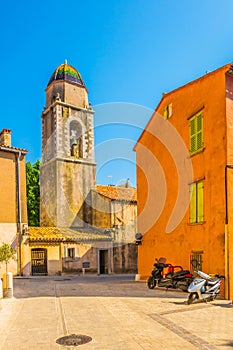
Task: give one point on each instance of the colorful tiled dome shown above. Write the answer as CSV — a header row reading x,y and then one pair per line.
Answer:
x,y
67,73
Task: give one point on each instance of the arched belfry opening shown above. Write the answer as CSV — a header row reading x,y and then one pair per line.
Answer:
x,y
76,139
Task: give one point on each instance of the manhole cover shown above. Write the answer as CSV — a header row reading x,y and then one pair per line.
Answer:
x,y
73,340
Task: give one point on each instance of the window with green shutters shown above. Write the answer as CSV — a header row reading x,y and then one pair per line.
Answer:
x,y
167,111
196,133
197,202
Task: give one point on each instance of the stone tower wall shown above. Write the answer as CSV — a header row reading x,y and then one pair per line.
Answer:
x,y
69,93
65,186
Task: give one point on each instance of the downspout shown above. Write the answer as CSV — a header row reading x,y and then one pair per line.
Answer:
x,y
227,281
19,212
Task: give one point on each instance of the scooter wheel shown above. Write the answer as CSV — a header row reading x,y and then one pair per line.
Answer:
x,y
192,297
151,282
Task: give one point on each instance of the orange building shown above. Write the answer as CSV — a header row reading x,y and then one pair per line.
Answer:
x,y
13,204
185,178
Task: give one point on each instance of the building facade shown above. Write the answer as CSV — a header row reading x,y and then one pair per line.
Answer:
x,y
185,178
13,210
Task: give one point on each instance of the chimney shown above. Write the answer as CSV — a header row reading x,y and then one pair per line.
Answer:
x,y
5,138
127,184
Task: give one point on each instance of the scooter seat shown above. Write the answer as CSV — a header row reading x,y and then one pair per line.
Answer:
x,y
212,282
181,273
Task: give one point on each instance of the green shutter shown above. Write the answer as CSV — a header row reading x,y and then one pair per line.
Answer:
x,y
196,133
193,203
170,110
193,146
200,201
199,131
165,112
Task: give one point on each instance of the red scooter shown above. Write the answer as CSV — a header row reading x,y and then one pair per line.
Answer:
x,y
176,277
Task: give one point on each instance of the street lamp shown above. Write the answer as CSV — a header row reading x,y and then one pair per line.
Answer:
x,y
228,166
138,237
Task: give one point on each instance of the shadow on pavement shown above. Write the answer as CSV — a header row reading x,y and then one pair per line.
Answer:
x,y
88,286
228,344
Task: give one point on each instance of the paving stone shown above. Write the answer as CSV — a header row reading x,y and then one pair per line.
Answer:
x,y
117,312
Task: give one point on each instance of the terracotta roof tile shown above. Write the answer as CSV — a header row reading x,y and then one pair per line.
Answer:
x,y
118,193
10,148
55,234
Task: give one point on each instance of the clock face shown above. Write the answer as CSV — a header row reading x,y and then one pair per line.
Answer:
x,y
138,236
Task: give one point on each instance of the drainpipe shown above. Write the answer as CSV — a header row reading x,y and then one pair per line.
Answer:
x,y
227,284
18,154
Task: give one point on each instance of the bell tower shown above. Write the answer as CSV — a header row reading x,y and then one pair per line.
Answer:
x,y
68,170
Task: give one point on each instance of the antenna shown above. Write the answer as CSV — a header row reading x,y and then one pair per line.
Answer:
x,y
110,177
65,61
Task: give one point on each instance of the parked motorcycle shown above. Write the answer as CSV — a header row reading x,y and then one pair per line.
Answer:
x,y
204,287
180,279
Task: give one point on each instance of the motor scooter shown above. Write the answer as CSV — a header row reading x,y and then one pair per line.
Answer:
x,y
204,287
180,279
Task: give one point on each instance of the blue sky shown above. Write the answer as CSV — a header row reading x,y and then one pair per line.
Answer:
x,y
127,51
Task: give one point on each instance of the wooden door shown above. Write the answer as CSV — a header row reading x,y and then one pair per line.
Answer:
x,y
39,261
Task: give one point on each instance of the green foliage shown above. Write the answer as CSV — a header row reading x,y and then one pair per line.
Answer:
x,y
33,192
6,253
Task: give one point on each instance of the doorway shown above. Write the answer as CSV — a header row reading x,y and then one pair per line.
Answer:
x,y
39,261
103,261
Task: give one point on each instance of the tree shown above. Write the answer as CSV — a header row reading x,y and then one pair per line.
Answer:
x,y
6,253
33,192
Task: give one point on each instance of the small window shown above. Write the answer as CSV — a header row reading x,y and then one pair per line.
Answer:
x,y
196,133
71,253
167,112
197,202
196,261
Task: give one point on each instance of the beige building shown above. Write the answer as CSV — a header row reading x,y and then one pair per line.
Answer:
x,y
13,206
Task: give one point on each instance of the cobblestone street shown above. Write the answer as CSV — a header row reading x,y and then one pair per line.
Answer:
x,y
117,312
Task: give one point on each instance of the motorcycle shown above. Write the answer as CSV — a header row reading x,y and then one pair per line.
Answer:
x,y
204,287
180,279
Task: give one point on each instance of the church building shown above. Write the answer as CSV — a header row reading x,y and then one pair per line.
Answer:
x,y
82,225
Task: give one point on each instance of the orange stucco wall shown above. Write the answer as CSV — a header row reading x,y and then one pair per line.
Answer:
x,y
8,203
209,95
